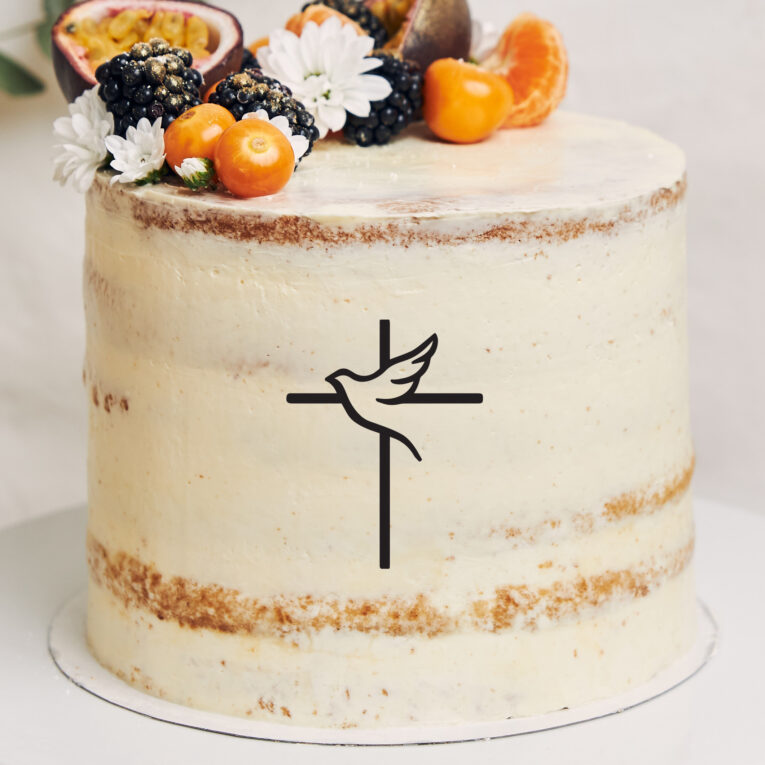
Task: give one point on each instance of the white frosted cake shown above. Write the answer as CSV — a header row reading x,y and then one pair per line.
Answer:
x,y
263,539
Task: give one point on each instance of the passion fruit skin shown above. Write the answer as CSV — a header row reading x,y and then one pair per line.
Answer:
x,y
76,76
70,80
434,29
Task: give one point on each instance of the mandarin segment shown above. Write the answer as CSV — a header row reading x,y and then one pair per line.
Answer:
x,y
532,57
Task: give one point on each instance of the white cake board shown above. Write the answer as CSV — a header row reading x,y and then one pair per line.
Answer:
x,y
68,647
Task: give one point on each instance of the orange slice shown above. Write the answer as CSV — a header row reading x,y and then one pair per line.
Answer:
x,y
319,14
532,57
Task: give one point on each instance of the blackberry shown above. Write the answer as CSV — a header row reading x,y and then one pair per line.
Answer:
x,y
151,80
248,60
359,13
141,51
251,90
184,55
391,115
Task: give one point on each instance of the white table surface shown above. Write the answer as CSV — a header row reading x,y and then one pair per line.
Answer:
x,y
718,716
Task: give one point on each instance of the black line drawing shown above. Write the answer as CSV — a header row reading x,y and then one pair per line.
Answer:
x,y
389,375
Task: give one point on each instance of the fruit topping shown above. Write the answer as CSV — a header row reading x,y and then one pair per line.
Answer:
x,y
254,47
248,60
152,80
358,12
197,173
80,146
195,133
391,13
92,32
248,92
141,66
425,30
253,158
139,156
532,57
463,102
319,14
327,69
390,115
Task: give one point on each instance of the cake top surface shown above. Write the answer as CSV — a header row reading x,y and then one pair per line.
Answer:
x,y
570,162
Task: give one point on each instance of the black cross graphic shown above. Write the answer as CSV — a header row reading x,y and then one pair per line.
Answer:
x,y
384,438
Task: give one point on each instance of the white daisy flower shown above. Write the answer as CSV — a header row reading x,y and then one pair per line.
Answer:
x,y
82,149
484,38
139,156
325,68
298,142
196,172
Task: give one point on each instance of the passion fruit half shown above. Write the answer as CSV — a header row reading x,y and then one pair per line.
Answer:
x,y
94,31
425,30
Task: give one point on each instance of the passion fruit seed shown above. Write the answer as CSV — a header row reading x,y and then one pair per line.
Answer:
x,y
90,33
104,39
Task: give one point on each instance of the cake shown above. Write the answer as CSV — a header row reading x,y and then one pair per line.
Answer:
x,y
269,537
387,366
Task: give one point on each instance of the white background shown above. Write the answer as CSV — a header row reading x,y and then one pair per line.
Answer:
x,y
693,71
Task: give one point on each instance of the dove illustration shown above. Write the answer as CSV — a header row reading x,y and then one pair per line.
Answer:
x,y
393,383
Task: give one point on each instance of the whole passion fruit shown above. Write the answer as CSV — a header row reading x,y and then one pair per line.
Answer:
x,y
425,30
92,32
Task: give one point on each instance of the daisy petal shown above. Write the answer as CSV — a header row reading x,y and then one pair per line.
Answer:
x,y
299,145
375,87
332,116
357,104
326,69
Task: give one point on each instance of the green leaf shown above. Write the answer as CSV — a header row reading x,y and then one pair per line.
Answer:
x,y
43,37
155,176
17,80
53,9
